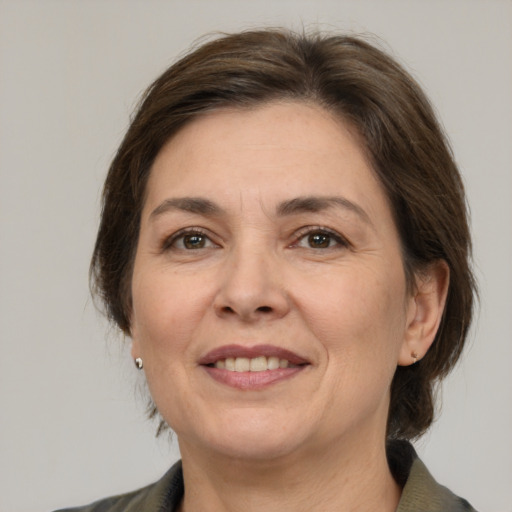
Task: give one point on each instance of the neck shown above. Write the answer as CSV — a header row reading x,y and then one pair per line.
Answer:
x,y
357,478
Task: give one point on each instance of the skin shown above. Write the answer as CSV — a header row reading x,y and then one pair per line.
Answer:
x,y
250,273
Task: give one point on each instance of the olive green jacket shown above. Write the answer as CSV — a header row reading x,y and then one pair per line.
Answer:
x,y
421,493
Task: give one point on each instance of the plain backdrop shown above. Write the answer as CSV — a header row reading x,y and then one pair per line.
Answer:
x,y
72,427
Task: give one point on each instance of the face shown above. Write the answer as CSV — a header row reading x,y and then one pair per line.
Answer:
x,y
269,297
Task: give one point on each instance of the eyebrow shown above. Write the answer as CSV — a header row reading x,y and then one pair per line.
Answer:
x,y
197,205
320,203
295,206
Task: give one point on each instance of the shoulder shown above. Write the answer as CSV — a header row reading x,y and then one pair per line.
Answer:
x,y
163,495
122,502
421,492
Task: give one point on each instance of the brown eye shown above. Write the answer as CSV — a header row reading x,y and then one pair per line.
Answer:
x,y
319,240
194,241
189,240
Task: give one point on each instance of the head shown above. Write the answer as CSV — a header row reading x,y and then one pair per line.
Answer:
x,y
398,133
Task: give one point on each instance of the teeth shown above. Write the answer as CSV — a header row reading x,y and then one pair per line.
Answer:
x,y
256,364
273,363
242,364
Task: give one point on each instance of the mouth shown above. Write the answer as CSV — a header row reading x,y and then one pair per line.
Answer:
x,y
254,364
252,367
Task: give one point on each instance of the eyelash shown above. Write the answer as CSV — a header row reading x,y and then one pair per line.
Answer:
x,y
319,230
171,242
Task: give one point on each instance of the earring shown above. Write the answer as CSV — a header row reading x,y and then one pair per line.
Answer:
x,y
413,355
138,363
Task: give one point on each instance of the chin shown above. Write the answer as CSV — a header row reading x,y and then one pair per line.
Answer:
x,y
257,447
252,436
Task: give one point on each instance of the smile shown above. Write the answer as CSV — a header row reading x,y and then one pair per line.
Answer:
x,y
252,368
255,364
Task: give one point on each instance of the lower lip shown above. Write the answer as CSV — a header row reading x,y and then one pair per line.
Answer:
x,y
252,380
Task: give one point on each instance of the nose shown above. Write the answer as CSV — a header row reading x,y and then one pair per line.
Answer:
x,y
251,288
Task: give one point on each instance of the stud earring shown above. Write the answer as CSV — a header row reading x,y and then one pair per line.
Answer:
x,y
413,355
138,363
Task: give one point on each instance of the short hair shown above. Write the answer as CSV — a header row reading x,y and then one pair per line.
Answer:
x,y
400,134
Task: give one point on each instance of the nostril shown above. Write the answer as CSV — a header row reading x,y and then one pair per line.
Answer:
x,y
249,313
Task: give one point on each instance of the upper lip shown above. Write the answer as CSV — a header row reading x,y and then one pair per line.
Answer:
x,y
226,351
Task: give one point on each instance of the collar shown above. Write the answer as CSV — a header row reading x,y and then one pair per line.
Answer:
x,y
421,493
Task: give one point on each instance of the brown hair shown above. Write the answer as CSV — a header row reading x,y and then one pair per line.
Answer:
x,y
404,142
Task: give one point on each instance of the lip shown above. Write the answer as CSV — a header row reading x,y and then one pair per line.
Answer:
x,y
252,380
257,350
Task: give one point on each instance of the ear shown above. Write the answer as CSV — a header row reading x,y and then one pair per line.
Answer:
x,y
424,312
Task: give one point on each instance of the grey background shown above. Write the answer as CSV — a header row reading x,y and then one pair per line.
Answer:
x,y
71,422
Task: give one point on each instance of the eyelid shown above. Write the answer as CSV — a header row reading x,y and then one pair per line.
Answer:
x,y
168,241
308,230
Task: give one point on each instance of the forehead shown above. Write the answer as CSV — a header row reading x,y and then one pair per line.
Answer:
x,y
265,153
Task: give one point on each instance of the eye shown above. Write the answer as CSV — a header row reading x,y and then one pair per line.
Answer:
x,y
320,238
189,240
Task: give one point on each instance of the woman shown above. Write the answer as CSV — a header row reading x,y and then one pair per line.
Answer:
x,y
284,238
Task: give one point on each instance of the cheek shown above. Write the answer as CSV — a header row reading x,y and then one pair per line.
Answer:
x,y
166,311
166,316
358,313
